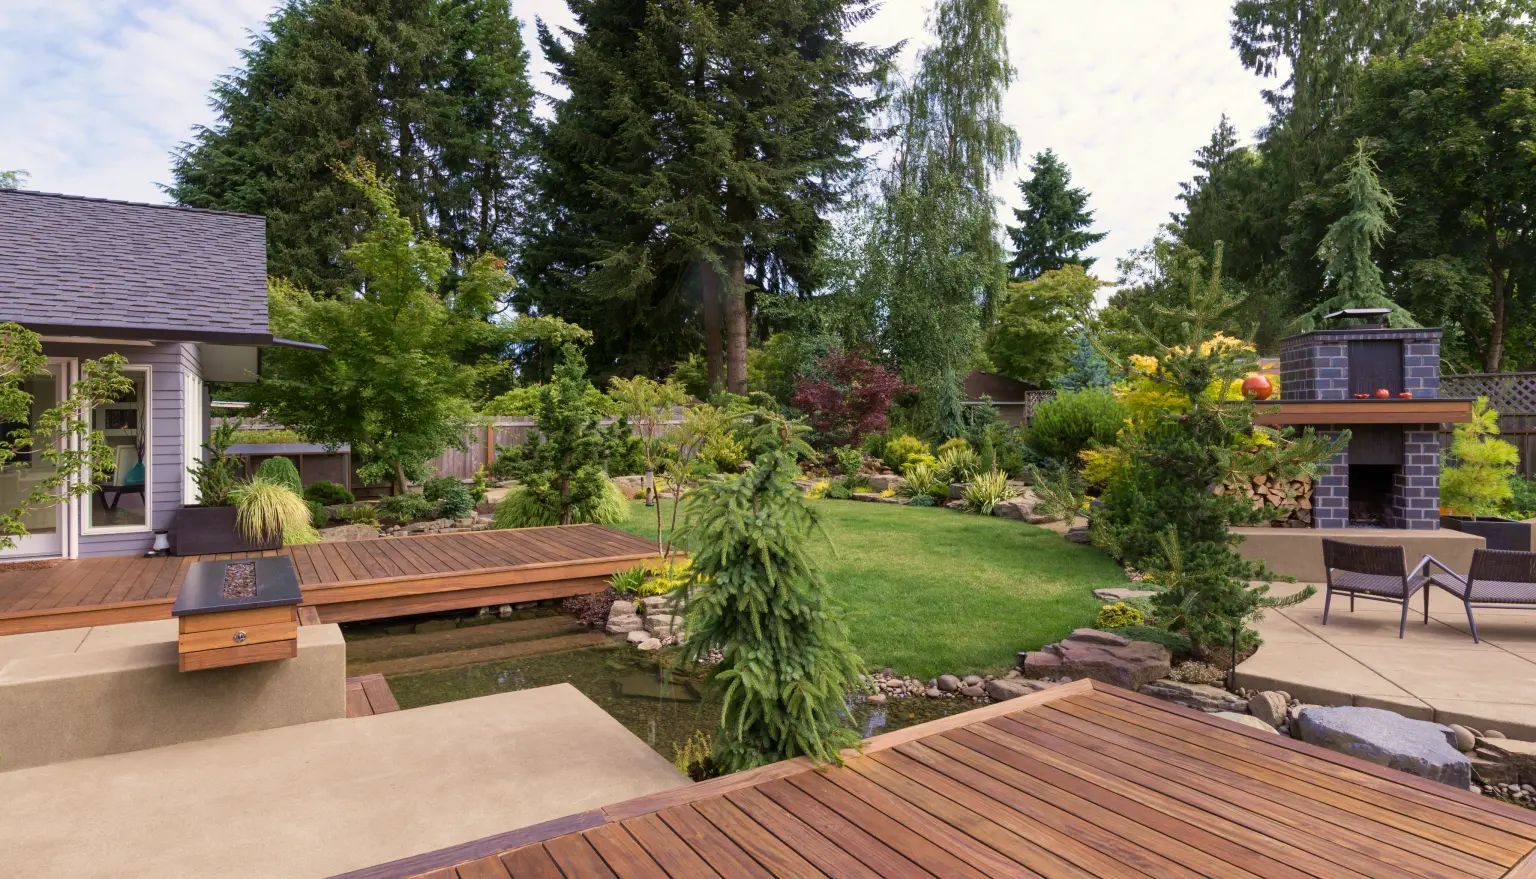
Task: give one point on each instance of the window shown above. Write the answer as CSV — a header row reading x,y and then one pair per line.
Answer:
x,y
122,498
192,426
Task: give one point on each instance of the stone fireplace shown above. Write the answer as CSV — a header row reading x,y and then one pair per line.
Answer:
x,y
1389,474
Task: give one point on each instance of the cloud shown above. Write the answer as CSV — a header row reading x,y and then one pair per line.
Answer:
x,y
94,94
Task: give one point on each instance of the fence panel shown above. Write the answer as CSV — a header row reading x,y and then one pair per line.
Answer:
x,y
1513,396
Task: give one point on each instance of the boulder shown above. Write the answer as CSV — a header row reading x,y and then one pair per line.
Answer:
x,y
868,497
1520,756
1417,747
663,624
348,532
1080,534
656,603
624,625
1121,594
650,644
875,698
1002,691
972,680
889,482
1017,508
621,608
1105,657
957,491
1268,706
948,683
1491,771
638,636
1247,720
805,484
1200,697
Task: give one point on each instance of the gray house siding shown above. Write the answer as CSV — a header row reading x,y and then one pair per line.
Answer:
x,y
168,362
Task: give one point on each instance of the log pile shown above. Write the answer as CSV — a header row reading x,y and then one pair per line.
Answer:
x,y
1292,498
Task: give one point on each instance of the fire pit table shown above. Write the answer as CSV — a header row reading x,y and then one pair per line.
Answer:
x,y
238,611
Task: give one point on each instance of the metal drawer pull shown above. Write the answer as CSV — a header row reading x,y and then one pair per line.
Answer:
x,y
239,637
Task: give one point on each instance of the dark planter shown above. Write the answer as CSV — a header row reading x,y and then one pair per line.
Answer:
x,y
1500,533
208,530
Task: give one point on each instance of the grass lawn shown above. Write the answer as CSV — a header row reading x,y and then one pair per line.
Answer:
x,y
928,590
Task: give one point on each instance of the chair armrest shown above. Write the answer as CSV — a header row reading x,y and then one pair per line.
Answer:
x,y
1431,560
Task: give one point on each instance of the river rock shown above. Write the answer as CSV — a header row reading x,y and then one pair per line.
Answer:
x,y
1200,697
875,698
1247,720
1417,747
973,680
947,683
1465,740
1121,594
1268,706
638,636
1088,653
624,625
1002,691
1080,534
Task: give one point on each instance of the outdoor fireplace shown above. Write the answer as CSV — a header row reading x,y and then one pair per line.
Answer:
x,y
231,612
1383,386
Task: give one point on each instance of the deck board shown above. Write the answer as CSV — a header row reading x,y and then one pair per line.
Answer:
x,y
361,579
1081,781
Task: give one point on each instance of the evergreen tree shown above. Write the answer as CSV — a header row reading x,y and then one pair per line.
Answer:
x,y
434,93
1348,248
1086,367
562,466
1053,223
758,598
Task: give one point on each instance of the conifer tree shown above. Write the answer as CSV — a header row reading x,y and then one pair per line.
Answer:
x,y
434,93
1349,246
787,663
563,462
1054,222
1086,367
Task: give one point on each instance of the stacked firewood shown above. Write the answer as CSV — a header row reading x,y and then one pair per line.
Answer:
x,y
1292,497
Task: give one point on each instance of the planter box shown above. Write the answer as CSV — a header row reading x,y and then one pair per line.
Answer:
x,y
209,530
1498,532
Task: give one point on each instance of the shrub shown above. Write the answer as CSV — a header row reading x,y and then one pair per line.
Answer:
x,y
1474,480
1117,615
358,514
623,451
404,507
266,437
1060,492
898,450
1522,497
264,510
957,442
670,575
629,580
328,493
846,397
849,459
318,517
280,470
480,485
922,500
838,490
958,464
217,474
985,491
519,509
722,454
818,490
1070,422
919,480
453,497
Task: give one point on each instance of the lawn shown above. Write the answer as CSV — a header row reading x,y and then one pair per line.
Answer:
x,y
928,590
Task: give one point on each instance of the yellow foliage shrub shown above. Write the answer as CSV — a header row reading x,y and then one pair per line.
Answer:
x,y
1117,615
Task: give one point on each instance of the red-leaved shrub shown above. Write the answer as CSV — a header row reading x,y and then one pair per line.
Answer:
x,y
847,399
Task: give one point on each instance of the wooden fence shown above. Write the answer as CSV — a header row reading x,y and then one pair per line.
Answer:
x,y
1513,396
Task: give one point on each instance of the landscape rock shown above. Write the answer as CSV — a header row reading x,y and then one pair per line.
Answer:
x,y
504,611
868,497
1493,734
1079,535
1016,508
656,603
1121,594
1494,771
875,698
1247,720
972,680
621,608
624,625
805,484
1521,756
650,645
889,482
348,532
1465,741
933,693
1002,691
1417,747
973,691
947,683
957,491
1088,653
1201,697
1269,707
638,636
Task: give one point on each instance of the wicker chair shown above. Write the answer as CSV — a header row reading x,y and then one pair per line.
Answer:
x,y
1374,573
1498,578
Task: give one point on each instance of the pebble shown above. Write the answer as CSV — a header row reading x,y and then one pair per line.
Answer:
x,y
974,691
972,680
934,693
875,698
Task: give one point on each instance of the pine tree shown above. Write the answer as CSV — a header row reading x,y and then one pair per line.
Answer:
x,y
1349,246
1053,223
1086,367
434,93
563,462
1474,481
758,597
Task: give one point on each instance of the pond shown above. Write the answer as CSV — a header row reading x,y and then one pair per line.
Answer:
x,y
663,706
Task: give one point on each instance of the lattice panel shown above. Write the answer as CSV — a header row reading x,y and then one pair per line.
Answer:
x,y
1511,393
1033,399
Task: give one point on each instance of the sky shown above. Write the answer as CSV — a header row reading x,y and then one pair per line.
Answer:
x,y
95,94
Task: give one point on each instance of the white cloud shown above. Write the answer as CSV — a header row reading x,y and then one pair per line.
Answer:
x,y
94,94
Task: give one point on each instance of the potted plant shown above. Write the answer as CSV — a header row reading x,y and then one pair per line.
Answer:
x,y
1474,482
211,526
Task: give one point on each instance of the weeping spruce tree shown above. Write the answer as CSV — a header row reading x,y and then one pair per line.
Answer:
x,y
760,600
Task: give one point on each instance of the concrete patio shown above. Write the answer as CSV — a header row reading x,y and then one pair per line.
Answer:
x,y
1435,672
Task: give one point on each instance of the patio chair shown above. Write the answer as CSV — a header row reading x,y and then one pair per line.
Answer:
x,y
1498,578
1374,573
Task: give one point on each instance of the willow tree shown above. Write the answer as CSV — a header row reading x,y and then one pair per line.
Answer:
x,y
935,258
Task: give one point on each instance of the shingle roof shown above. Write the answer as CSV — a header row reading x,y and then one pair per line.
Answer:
x,y
90,266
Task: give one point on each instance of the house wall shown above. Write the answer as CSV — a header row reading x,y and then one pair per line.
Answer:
x,y
167,361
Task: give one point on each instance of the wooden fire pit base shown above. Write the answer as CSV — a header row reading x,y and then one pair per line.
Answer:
x,y
214,640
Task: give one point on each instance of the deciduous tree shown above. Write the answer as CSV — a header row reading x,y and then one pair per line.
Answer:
x,y
1033,336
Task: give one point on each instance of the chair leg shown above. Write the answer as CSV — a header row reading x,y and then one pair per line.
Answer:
x,y
1426,605
1327,600
1402,626
1351,602
1471,622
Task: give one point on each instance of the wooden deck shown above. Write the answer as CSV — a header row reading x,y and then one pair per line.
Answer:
x,y
368,695
1079,781
342,581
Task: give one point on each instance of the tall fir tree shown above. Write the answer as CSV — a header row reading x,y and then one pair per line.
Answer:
x,y
434,93
1054,224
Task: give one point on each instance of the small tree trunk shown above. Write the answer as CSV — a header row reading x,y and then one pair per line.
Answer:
x,y
399,477
1493,359
736,322
709,289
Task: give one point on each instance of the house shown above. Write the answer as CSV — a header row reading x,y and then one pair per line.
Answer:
x,y
181,293
1015,400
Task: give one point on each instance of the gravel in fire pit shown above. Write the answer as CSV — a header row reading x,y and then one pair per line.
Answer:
x,y
240,581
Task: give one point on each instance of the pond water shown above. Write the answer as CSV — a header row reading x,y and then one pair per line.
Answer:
x,y
662,706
